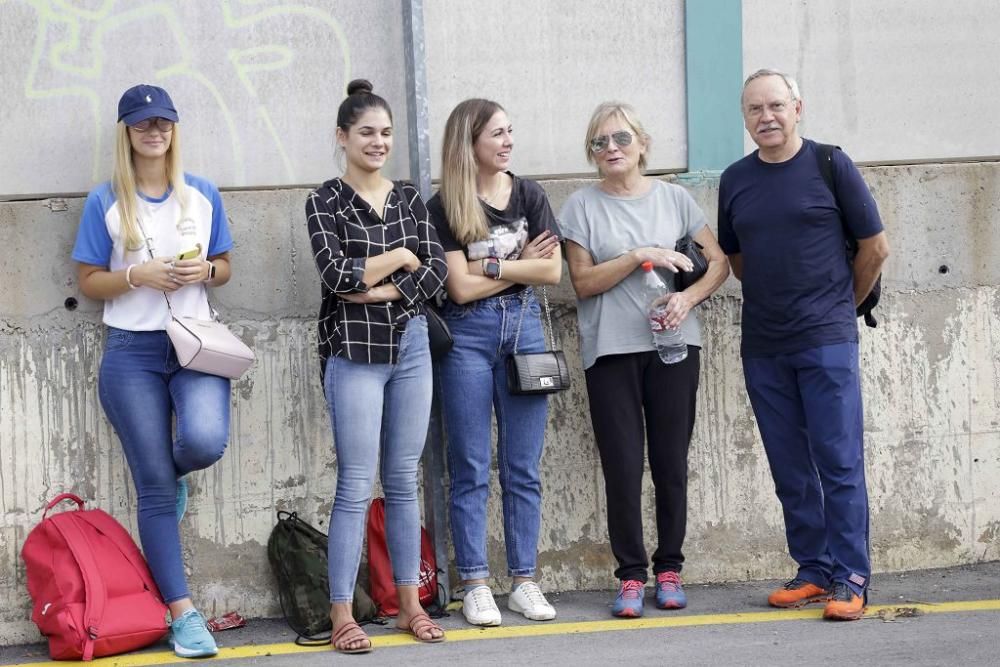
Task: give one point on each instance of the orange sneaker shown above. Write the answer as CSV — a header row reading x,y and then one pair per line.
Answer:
x,y
796,593
844,604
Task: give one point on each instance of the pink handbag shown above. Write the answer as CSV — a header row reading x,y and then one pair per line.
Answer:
x,y
208,346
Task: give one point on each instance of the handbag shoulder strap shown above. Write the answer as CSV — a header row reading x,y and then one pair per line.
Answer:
x,y
398,187
149,249
548,318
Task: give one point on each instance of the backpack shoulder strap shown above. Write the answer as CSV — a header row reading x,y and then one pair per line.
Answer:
x,y
97,593
824,159
107,526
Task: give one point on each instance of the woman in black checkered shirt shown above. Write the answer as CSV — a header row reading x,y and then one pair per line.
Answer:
x,y
379,261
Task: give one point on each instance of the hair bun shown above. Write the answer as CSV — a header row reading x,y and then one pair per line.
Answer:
x,y
359,87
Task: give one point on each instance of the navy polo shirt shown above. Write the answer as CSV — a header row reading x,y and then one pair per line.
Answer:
x,y
798,289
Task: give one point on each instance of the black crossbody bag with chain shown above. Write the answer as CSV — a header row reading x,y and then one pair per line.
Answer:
x,y
537,372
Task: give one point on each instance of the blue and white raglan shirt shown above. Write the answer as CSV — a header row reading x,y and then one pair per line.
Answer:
x,y
100,242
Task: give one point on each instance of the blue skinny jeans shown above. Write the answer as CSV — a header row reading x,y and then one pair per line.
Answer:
x,y
379,414
143,391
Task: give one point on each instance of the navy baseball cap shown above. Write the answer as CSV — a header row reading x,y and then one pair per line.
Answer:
x,y
144,101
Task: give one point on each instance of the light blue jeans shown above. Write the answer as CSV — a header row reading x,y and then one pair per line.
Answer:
x,y
473,380
142,389
378,411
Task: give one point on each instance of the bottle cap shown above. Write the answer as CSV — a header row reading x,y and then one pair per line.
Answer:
x,y
647,266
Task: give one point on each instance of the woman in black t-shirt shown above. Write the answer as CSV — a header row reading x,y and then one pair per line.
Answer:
x,y
500,238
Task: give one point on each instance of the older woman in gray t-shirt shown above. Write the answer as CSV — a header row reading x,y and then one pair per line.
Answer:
x,y
611,228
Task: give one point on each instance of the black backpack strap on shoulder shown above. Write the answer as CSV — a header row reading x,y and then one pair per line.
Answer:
x,y
824,159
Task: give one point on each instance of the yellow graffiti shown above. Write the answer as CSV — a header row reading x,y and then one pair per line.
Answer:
x,y
244,62
72,39
309,12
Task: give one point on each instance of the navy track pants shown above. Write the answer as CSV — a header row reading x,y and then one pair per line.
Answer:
x,y
811,419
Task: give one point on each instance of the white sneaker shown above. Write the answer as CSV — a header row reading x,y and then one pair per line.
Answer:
x,y
527,599
479,607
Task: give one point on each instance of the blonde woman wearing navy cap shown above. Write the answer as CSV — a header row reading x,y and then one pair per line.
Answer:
x,y
155,231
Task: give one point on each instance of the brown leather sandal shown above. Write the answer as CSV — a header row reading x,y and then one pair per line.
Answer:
x,y
420,625
347,633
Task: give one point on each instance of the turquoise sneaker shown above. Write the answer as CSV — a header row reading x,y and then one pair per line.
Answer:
x,y
182,497
669,591
190,638
628,604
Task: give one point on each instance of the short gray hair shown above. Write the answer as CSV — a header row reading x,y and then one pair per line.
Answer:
x,y
793,87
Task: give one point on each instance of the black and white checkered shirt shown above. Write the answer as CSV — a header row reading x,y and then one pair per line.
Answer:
x,y
344,231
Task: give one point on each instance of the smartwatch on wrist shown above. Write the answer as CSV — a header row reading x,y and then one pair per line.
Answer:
x,y
491,268
211,272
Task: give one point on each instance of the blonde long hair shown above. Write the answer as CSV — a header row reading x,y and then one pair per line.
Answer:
x,y
123,183
459,169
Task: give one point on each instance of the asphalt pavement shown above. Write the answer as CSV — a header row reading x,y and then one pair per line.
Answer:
x,y
932,617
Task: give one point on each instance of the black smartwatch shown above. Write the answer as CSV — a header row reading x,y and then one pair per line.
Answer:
x,y
211,273
491,268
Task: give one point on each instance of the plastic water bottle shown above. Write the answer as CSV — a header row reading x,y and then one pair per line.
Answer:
x,y
669,343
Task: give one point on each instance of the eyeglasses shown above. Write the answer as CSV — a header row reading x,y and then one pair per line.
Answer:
x,y
621,138
162,124
777,107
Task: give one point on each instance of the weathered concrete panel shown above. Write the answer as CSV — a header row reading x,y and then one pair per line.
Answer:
x,y
593,51
256,84
931,381
888,80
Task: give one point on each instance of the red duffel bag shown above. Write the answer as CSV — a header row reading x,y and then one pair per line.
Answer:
x,y
91,590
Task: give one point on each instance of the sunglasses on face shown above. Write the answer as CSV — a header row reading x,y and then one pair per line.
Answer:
x,y
621,138
162,124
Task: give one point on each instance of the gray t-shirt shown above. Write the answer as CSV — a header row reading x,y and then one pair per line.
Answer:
x,y
615,322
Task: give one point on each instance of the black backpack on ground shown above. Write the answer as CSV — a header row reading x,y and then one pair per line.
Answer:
x,y
297,554
824,157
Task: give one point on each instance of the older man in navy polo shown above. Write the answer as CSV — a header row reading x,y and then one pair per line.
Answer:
x,y
784,232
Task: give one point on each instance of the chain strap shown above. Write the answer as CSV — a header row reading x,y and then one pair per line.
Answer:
x,y
149,249
548,318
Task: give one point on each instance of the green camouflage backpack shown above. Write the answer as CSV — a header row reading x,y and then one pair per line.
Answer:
x,y
297,554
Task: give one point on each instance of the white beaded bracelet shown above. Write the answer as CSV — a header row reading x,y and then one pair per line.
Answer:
x,y
128,276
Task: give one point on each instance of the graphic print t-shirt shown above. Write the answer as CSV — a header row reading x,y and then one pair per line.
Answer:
x,y
527,215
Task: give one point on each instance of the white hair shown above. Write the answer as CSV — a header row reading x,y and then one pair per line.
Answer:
x,y
793,87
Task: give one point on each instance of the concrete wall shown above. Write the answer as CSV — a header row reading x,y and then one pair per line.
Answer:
x,y
894,81
931,380
888,80
257,84
593,51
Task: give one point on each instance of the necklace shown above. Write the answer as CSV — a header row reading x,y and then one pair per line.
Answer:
x,y
496,193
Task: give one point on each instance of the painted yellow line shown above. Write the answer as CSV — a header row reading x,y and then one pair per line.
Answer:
x,y
542,630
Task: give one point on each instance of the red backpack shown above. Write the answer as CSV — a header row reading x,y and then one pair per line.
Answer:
x,y
93,594
383,590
